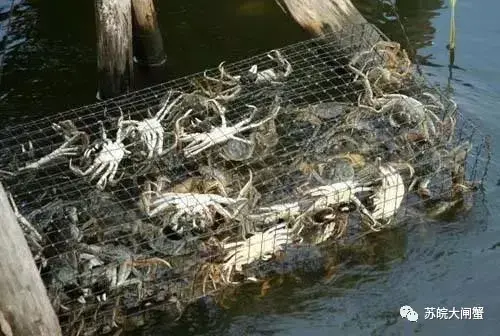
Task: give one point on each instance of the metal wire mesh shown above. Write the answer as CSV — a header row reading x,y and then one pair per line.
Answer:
x,y
217,178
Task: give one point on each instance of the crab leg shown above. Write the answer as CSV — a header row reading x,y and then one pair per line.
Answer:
x,y
63,150
81,172
375,226
100,168
166,108
23,219
221,134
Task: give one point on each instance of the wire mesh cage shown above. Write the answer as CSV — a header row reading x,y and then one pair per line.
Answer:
x,y
148,201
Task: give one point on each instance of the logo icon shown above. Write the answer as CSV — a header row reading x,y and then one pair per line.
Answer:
x,y
408,313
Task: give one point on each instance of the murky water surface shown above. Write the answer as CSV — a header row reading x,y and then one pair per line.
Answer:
x,y
50,67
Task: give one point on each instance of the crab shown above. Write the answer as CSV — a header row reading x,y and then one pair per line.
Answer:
x,y
396,68
386,198
199,142
150,131
108,158
118,274
115,264
317,113
193,205
261,141
261,245
225,88
409,110
241,214
69,148
267,137
199,184
65,276
383,78
385,59
189,204
273,75
437,161
211,270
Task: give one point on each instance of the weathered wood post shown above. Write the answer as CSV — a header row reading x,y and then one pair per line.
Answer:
x,y
114,47
25,308
322,16
148,42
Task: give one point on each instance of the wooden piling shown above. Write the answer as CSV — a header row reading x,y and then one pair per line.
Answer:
x,y
148,41
25,308
323,16
320,16
114,47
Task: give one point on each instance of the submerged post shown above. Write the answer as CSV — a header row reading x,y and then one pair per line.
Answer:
x,y
25,308
148,42
114,47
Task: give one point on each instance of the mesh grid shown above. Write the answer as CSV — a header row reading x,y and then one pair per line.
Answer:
x,y
201,183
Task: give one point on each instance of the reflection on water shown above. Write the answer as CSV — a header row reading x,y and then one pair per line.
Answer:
x,y
255,7
50,67
417,31
43,74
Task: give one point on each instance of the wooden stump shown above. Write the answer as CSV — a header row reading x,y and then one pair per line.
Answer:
x,y
114,47
148,42
25,308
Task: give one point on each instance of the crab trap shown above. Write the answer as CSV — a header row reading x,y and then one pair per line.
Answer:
x,y
146,202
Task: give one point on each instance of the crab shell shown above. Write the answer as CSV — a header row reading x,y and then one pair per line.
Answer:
x,y
235,150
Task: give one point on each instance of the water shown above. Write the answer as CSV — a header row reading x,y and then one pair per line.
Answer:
x,y
50,67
